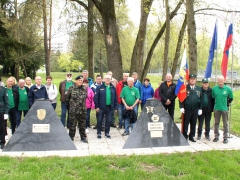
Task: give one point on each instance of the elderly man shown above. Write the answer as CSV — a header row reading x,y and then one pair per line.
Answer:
x,y
75,99
4,108
191,107
223,96
63,88
37,91
85,76
23,104
167,94
113,81
120,85
208,103
13,99
130,97
105,100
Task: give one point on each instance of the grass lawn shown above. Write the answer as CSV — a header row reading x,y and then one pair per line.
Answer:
x,y
200,165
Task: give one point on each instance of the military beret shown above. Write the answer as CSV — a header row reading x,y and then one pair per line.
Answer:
x,y
78,77
205,80
192,76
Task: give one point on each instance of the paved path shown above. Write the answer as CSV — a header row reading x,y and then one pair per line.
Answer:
x,y
113,146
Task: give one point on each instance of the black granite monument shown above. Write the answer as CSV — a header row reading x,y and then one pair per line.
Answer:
x,y
155,128
41,130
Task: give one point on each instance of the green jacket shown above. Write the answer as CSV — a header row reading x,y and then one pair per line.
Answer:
x,y
76,99
4,105
194,99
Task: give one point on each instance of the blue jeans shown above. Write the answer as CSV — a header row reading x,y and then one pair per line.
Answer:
x,y
54,105
127,121
63,115
108,113
19,115
88,118
120,114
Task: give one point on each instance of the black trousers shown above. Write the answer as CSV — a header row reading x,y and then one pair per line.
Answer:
x,y
190,117
207,117
13,118
170,109
2,128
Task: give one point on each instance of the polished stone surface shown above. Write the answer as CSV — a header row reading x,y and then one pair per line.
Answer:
x,y
153,113
25,140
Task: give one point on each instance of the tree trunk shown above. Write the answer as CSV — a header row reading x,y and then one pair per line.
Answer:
x,y
179,45
167,37
138,50
192,42
114,57
90,40
47,60
50,35
155,42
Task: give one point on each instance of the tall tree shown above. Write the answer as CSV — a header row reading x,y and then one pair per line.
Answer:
x,y
192,41
155,42
114,57
90,39
138,50
167,37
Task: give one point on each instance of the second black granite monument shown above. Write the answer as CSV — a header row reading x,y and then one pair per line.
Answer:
x,y
155,128
41,130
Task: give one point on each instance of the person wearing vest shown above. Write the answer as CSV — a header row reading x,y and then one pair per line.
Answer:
x,y
191,107
23,104
51,91
63,87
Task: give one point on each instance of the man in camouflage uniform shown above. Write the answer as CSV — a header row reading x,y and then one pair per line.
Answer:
x,y
75,99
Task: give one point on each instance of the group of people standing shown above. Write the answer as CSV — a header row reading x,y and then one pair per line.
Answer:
x,y
108,96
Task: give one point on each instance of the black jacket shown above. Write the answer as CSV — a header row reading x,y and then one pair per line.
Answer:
x,y
131,114
166,93
210,99
15,96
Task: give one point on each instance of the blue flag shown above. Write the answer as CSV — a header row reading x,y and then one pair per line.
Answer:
x,y
213,47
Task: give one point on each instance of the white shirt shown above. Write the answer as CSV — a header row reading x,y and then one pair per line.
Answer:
x,y
52,92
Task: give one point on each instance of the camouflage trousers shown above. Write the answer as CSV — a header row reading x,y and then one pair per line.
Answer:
x,y
80,120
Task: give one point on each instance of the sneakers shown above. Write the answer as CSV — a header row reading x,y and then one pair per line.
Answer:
x,y
208,138
84,140
125,133
199,137
99,136
215,140
86,131
107,136
119,127
113,125
225,141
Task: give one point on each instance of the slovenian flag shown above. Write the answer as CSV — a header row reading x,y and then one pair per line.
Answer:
x,y
228,44
180,90
213,47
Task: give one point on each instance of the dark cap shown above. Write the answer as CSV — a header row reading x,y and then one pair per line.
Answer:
x,y
192,76
205,80
78,77
69,73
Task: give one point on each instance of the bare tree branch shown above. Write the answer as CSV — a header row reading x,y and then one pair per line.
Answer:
x,y
216,9
81,3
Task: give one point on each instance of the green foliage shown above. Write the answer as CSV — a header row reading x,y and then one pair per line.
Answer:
x,y
68,64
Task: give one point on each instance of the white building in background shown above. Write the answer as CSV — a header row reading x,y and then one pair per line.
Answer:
x,y
57,47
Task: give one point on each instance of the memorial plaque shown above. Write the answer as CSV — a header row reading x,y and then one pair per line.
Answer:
x,y
40,130
155,128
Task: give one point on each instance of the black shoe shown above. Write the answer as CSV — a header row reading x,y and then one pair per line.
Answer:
x,y
119,127
103,128
99,136
208,138
2,146
192,139
199,137
95,127
84,140
225,141
125,133
113,125
107,135
215,140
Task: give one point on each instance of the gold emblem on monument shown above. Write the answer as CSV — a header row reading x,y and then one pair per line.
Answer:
x,y
41,114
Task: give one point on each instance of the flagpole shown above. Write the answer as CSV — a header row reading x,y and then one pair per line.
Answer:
x,y
216,55
230,113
